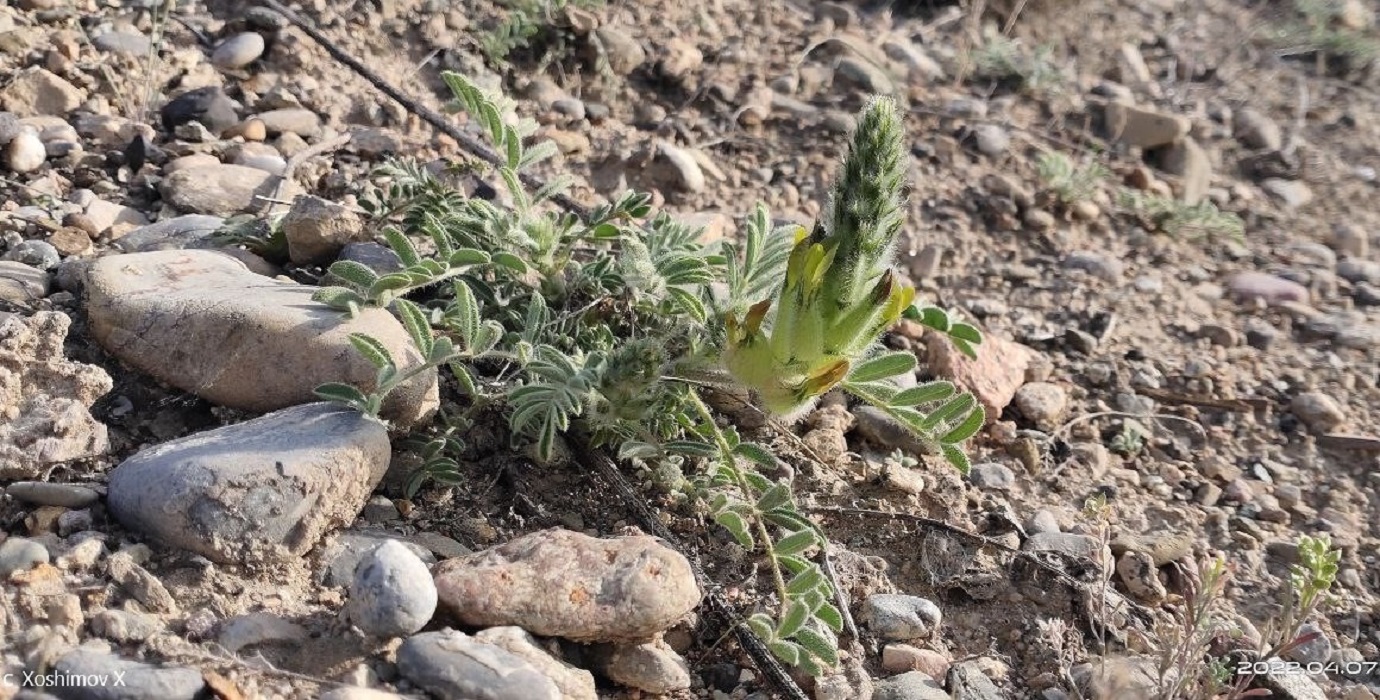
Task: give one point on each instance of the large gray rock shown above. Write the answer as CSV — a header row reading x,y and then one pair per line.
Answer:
x,y
186,231
45,399
893,616
451,664
912,685
574,683
263,489
21,284
203,322
560,583
138,681
223,190
38,91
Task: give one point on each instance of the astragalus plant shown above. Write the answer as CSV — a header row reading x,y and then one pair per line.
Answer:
x,y
606,327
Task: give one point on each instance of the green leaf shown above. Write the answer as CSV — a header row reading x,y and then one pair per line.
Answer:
x,y
787,519
924,393
546,441
967,428
691,448
776,496
338,298
965,347
761,625
354,272
736,526
888,365
935,317
441,352
372,350
793,619
465,309
464,379
756,453
488,336
513,149
468,256
793,563
757,481
634,449
689,303
415,321
796,542
401,245
820,644
537,153
955,407
956,458
787,652
963,331
830,615
604,232
385,375
342,393
805,581
809,665
390,283
510,261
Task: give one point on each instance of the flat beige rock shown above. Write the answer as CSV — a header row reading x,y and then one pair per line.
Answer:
x,y
203,322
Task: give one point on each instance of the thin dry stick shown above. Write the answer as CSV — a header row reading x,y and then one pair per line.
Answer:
x,y
426,114
598,462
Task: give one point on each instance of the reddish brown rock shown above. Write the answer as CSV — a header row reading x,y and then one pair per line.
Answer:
x,y
993,377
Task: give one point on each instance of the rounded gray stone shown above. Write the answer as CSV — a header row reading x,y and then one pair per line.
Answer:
x,y
121,42
997,477
39,254
894,617
912,685
187,231
20,283
450,664
261,489
20,554
343,555
49,494
203,322
138,681
238,51
392,594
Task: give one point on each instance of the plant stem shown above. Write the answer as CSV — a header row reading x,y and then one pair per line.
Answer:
x,y
727,453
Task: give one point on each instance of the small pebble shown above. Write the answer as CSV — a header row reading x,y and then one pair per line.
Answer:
x,y
899,617
1043,403
20,554
26,153
39,254
992,476
49,494
238,51
1319,411
392,594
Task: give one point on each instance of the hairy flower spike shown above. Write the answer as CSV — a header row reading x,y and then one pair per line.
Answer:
x,y
866,212
839,292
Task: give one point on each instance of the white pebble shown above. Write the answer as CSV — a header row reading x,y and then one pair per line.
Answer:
x,y
238,51
25,153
